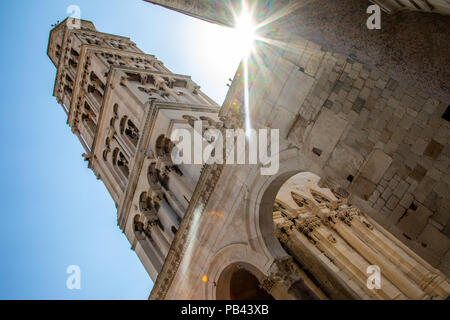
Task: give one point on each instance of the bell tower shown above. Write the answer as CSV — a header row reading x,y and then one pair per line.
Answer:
x,y
123,104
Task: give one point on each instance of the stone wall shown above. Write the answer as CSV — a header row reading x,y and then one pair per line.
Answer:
x,y
382,143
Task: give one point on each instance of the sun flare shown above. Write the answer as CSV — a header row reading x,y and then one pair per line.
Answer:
x,y
245,32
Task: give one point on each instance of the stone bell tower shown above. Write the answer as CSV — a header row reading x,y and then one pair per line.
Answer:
x,y
122,104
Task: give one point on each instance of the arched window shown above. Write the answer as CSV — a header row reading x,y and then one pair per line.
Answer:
x,y
68,90
319,197
163,146
301,201
138,224
96,94
145,202
236,282
97,80
122,124
89,123
132,132
73,64
105,154
121,162
152,175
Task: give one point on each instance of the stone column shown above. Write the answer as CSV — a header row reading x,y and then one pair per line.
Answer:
x,y
286,281
404,268
389,271
336,242
180,187
168,218
160,240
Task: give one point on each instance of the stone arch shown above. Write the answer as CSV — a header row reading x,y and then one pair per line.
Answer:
x,y
261,197
105,154
319,197
89,124
302,201
321,242
132,132
163,146
145,202
121,162
138,224
96,94
122,124
152,176
95,79
232,254
241,281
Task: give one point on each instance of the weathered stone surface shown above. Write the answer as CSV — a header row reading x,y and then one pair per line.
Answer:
x,y
376,165
432,237
326,133
433,149
414,221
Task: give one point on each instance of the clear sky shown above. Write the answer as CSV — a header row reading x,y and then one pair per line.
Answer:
x,y
54,213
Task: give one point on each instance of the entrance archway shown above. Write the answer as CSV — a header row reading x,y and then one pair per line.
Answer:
x,y
334,243
239,282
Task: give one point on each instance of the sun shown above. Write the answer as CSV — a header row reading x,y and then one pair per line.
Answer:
x,y
245,32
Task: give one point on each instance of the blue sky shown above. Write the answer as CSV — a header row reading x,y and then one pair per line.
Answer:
x,y
54,213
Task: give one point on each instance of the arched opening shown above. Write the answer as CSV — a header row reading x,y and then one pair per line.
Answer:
x,y
245,286
239,282
97,95
89,124
122,124
73,64
95,79
152,175
163,146
296,216
288,218
328,243
132,132
121,162
145,202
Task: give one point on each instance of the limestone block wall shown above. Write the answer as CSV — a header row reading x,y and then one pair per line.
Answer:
x,y
380,143
392,154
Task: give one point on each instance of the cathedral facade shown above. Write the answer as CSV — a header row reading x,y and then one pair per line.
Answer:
x,y
362,187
